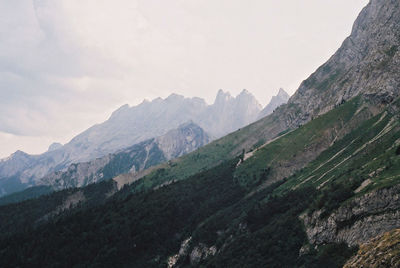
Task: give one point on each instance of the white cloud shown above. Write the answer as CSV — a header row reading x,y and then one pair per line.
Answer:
x,y
66,64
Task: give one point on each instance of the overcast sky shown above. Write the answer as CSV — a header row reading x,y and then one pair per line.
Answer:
x,y
67,64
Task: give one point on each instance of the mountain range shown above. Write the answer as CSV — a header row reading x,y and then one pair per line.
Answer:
x,y
314,184
128,126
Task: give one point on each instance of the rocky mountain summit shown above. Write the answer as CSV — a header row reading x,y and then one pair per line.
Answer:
x,y
367,63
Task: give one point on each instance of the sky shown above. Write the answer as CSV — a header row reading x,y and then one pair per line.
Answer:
x,y
67,64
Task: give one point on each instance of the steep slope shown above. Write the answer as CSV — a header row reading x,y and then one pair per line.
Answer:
x,y
285,157
232,215
366,65
281,98
227,219
187,138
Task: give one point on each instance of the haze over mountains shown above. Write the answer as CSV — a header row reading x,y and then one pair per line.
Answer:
x,y
314,184
130,125
175,143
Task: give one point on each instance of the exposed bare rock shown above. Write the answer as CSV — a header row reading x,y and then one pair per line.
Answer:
x,y
367,63
201,252
187,138
196,253
358,220
381,251
183,251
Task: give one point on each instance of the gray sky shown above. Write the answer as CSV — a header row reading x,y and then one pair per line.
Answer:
x,y
67,64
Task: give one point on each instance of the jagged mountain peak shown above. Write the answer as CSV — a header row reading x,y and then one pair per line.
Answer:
x,y
222,97
244,92
281,98
246,95
283,94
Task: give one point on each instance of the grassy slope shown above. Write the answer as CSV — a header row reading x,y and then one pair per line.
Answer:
x,y
289,152
294,150
367,153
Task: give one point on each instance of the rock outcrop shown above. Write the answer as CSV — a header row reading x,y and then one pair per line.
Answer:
x,y
187,138
382,251
195,253
367,63
358,220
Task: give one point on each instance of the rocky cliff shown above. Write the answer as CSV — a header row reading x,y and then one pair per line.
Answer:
x,y
367,63
357,221
382,251
185,139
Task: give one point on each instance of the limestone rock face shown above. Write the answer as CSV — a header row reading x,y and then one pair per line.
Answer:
x,y
185,139
367,63
357,221
382,251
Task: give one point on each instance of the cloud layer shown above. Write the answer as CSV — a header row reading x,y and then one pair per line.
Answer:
x,y
66,64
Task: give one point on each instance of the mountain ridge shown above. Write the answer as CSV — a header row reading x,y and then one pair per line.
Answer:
x,y
129,125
